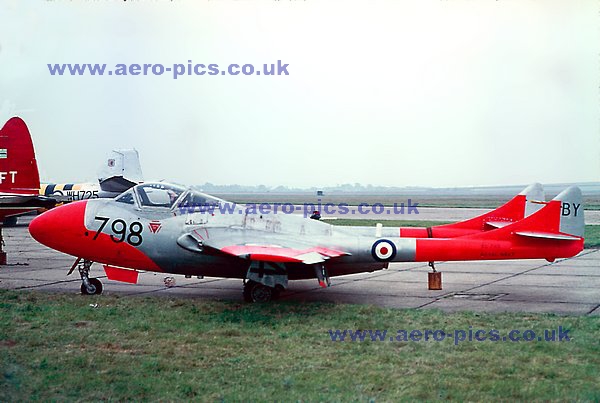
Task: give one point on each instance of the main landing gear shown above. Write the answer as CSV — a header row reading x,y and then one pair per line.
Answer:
x,y
264,281
257,292
89,286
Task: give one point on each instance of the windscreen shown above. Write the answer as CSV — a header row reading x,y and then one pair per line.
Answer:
x,y
197,202
158,194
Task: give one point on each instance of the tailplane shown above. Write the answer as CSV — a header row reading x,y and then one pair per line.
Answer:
x,y
18,167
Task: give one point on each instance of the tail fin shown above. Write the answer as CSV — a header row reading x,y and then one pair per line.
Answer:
x,y
121,171
530,200
18,167
534,198
561,219
571,215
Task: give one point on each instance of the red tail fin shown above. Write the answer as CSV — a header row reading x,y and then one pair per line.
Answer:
x,y
18,167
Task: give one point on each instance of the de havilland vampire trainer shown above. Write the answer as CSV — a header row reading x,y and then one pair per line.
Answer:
x,y
166,228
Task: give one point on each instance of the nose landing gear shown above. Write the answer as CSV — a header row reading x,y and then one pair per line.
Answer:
x,y
89,286
93,287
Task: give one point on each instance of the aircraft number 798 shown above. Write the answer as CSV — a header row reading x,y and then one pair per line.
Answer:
x,y
119,228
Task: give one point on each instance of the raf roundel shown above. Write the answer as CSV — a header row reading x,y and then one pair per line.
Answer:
x,y
383,250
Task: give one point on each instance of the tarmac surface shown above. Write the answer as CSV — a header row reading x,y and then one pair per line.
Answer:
x,y
567,286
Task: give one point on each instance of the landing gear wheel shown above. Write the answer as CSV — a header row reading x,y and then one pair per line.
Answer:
x,y
257,292
89,286
95,287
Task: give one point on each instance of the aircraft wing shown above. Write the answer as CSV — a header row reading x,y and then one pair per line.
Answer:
x,y
258,245
13,205
19,201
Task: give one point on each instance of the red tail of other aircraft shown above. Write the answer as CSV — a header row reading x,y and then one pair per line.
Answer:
x,y
18,167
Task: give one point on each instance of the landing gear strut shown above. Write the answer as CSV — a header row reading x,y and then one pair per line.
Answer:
x,y
89,286
2,253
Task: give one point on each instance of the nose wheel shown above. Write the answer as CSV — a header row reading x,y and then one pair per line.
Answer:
x,y
89,286
93,288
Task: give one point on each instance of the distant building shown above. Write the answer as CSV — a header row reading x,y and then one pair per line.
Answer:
x,y
319,193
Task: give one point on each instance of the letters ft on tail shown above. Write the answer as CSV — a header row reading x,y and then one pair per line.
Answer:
x,y
19,177
170,229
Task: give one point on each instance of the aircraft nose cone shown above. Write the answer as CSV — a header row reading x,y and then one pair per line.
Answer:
x,y
60,227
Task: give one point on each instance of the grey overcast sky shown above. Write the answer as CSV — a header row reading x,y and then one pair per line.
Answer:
x,y
397,93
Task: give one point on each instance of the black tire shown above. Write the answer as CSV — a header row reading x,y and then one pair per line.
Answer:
x,y
96,285
257,292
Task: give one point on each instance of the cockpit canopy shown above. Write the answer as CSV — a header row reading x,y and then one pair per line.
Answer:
x,y
166,196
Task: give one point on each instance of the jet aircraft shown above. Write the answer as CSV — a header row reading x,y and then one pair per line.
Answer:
x,y
168,228
20,190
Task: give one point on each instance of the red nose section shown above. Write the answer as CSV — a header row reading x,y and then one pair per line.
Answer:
x,y
63,228
60,227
